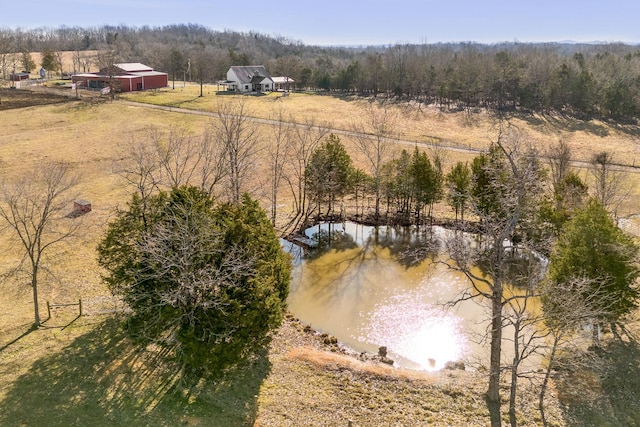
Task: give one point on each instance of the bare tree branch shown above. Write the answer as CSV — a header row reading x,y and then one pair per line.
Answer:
x,y
36,209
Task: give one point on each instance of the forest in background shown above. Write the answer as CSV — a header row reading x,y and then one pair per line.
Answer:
x,y
580,80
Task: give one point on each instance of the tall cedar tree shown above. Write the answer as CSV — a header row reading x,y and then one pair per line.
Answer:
x,y
592,247
328,175
209,280
458,185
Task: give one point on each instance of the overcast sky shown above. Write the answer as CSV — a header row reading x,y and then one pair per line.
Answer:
x,y
348,22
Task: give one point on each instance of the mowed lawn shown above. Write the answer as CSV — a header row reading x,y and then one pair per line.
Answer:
x,y
88,373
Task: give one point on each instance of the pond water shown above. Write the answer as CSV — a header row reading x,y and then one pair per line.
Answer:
x,y
384,286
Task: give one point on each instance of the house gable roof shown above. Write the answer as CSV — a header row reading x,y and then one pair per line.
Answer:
x,y
250,73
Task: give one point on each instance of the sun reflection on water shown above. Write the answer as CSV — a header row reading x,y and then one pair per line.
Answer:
x,y
422,335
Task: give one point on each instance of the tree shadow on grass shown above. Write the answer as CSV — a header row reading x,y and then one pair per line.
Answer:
x,y
4,346
609,396
102,379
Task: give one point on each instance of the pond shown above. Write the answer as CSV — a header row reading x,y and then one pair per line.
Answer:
x,y
385,286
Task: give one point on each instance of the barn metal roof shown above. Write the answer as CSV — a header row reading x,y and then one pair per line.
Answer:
x,y
148,73
131,67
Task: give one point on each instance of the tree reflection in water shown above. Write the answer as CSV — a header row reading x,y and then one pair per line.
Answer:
x,y
382,286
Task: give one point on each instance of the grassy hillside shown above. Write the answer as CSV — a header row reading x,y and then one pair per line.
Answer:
x,y
88,373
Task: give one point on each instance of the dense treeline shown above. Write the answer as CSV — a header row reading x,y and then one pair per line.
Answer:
x,y
583,80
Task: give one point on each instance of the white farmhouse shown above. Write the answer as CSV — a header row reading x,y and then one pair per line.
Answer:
x,y
250,78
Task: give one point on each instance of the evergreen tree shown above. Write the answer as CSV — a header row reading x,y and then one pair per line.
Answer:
x,y
568,196
209,281
328,174
458,185
28,64
396,184
489,174
422,181
49,61
592,247
426,181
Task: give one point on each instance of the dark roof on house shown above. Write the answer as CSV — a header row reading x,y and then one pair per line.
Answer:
x,y
251,73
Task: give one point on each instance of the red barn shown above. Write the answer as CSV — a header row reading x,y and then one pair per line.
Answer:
x,y
127,77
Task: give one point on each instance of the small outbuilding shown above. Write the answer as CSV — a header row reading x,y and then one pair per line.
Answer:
x,y
283,83
81,207
16,77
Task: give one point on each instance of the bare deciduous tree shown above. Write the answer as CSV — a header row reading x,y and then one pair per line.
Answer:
x,y
609,186
59,56
523,321
82,61
566,311
559,156
373,141
237,134
171,159
172,247
514,187
212,168
178,154
139,168
277,153
200,63
36,208
5,51
305,139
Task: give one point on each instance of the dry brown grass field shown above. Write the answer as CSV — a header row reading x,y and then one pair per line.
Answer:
x,y
429,127
67,60
90,135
